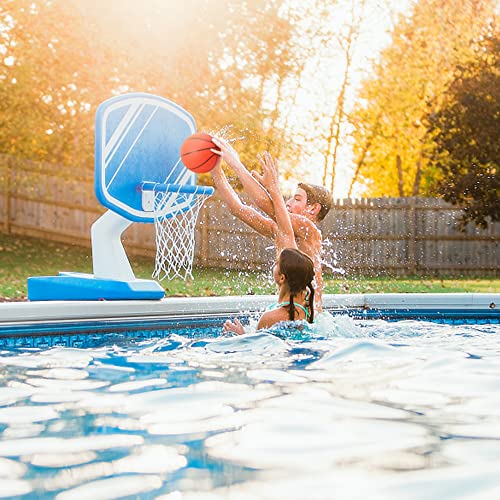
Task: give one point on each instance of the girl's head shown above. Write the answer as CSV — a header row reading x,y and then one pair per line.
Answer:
x,y
298,270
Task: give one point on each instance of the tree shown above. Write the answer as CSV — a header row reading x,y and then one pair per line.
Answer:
x,y
38,97
347,42
245,86
391,144
219,59
466,135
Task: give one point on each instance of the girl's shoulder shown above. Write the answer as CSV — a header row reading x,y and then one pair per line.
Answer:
x,y
270,318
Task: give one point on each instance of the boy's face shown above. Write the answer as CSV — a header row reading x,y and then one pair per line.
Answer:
x,y
297,203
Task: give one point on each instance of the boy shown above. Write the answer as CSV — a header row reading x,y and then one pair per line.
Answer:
x,y
307,207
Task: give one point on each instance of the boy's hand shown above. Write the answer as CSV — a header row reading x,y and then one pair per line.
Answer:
x,y
227,152
216,167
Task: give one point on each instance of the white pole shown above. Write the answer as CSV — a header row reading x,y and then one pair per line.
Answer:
x,y
108,255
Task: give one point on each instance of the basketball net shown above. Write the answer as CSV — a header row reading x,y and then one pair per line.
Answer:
x,y
175,235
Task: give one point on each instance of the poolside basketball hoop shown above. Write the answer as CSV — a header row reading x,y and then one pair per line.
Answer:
x,y
139,177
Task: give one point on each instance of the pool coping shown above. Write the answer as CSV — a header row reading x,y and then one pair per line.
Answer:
x,y
12,313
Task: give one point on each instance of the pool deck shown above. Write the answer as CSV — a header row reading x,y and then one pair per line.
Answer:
x,y
22,318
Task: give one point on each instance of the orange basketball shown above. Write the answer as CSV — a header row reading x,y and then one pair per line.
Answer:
x,y
196,154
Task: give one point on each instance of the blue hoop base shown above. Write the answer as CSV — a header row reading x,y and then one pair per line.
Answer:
x,y
80,286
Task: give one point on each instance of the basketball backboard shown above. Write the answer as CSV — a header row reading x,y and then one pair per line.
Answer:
x,y
138,139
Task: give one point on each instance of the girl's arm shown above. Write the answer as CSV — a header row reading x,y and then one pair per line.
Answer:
x,y
252,184
284,235
234,327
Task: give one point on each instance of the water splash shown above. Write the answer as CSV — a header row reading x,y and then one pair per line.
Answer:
x,y
225,132
329,259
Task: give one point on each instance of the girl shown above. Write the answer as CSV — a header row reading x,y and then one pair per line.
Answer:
x,y
293,271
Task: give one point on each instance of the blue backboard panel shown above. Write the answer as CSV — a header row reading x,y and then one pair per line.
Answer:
x,y
138,139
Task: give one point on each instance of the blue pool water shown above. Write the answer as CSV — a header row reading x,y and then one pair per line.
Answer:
x,y
346,409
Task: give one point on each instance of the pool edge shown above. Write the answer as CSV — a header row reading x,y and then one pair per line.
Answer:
x,y
17,318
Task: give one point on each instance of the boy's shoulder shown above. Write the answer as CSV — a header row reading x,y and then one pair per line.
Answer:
x,y
304,227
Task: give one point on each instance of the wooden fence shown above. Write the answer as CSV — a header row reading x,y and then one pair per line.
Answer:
x,y
372,236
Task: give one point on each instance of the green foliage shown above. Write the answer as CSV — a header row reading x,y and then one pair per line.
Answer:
x,y
466,134
391,143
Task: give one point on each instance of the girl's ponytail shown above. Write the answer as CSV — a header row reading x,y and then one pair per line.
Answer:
x,y
291,310
311,303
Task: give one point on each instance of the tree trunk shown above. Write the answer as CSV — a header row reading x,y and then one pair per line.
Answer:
x,y
361,162
399,169
364,152
418,177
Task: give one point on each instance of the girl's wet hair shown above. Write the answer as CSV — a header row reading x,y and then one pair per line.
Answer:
x,y
298,269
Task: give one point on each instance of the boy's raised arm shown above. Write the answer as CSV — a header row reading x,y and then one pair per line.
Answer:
x,y
263,225
252,187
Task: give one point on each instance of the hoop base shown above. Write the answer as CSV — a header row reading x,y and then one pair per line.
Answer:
x,y
80,286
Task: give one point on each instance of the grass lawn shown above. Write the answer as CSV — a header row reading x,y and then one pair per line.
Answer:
x,y
21,257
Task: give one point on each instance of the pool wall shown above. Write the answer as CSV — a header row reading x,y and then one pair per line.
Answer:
x,y
58,317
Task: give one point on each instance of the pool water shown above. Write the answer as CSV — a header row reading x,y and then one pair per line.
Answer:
x,y
344,409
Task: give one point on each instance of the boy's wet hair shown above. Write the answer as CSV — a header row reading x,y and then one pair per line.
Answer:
x,y
298,269
318,194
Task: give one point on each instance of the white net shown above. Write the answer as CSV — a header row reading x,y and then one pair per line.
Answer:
x,y
175,234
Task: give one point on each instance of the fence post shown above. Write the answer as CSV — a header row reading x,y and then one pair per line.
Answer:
x,y
412,263
204,234
6,197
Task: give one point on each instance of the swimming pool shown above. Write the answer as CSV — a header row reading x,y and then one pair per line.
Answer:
x,y
386,407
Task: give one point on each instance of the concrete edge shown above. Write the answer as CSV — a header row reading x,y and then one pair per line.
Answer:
x,y
16,312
